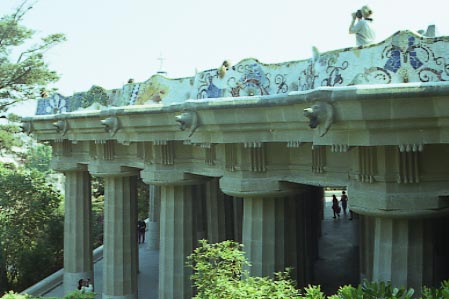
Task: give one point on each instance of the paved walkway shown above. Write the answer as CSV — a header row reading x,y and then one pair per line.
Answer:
x,y
338,261
337,264
148,276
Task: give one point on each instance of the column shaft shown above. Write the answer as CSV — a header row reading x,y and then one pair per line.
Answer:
x,y
176,243
263,235
120,238
215,208
154,217
304,264
77,230
366,247
237,205
402,252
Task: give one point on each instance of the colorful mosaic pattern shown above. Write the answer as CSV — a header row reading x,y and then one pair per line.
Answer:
x,y
404,57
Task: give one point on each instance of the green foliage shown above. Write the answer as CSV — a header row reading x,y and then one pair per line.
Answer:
x,y
8,137
437,293
38,158
73,295
78,295
98,220
384,290
23,71
313,292
218,273
373,290
31,230
12,295
143,200
349,292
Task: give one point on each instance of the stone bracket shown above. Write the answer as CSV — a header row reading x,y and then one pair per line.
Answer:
x,y
188,120
111,125
62,126
321,116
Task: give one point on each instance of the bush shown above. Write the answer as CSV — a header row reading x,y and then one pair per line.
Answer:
x,y
74,295
218,273
78,295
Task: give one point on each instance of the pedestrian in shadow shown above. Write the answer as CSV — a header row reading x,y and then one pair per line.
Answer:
x,y
335,206
141,227
80,284
344,201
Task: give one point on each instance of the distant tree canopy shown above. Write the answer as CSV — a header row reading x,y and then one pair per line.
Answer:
x,y
23,71
31,230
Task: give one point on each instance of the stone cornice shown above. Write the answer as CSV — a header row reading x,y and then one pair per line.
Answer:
x,y
359,113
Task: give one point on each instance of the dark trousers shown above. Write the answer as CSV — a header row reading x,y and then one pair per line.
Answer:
x,y
141,237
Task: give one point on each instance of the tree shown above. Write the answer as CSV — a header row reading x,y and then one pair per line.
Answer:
x,y
23,71
38,157
31,227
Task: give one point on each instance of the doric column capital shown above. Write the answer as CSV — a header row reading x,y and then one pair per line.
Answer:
x,y
390,200
170,177
111,169
257,187
63,164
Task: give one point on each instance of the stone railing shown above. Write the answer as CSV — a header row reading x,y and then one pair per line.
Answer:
x,y
54,280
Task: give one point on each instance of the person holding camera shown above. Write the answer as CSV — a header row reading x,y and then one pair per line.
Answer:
x,y
363,29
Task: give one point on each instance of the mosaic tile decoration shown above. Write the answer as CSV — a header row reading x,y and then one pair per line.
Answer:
x,y
402,58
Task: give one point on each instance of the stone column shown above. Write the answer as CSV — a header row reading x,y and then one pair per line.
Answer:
x,y
153,219
120,237
266,238
77,229
366,227
237,205
293,250
177,241
264,234
298,228
215,212
199,208
403,252
178,229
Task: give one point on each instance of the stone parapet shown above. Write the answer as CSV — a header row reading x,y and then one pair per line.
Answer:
x,y
404,57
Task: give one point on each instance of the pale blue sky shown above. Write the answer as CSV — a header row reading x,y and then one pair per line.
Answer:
x,y
110,41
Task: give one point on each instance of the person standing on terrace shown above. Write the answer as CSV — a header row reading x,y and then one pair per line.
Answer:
x,y
363,29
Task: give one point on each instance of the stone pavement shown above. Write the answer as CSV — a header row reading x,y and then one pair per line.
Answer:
x,y
148,278
337,263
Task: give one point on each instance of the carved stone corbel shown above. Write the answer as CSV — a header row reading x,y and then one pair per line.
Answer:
x,y
321,115
188,120
61,126
26,127
111,125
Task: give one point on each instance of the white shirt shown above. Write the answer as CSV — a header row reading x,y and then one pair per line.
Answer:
x,y
364,32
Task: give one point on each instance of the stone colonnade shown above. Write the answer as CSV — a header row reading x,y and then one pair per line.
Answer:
x,y
277,231
406,251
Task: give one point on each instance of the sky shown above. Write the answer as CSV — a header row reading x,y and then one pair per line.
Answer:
x,y
111,41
